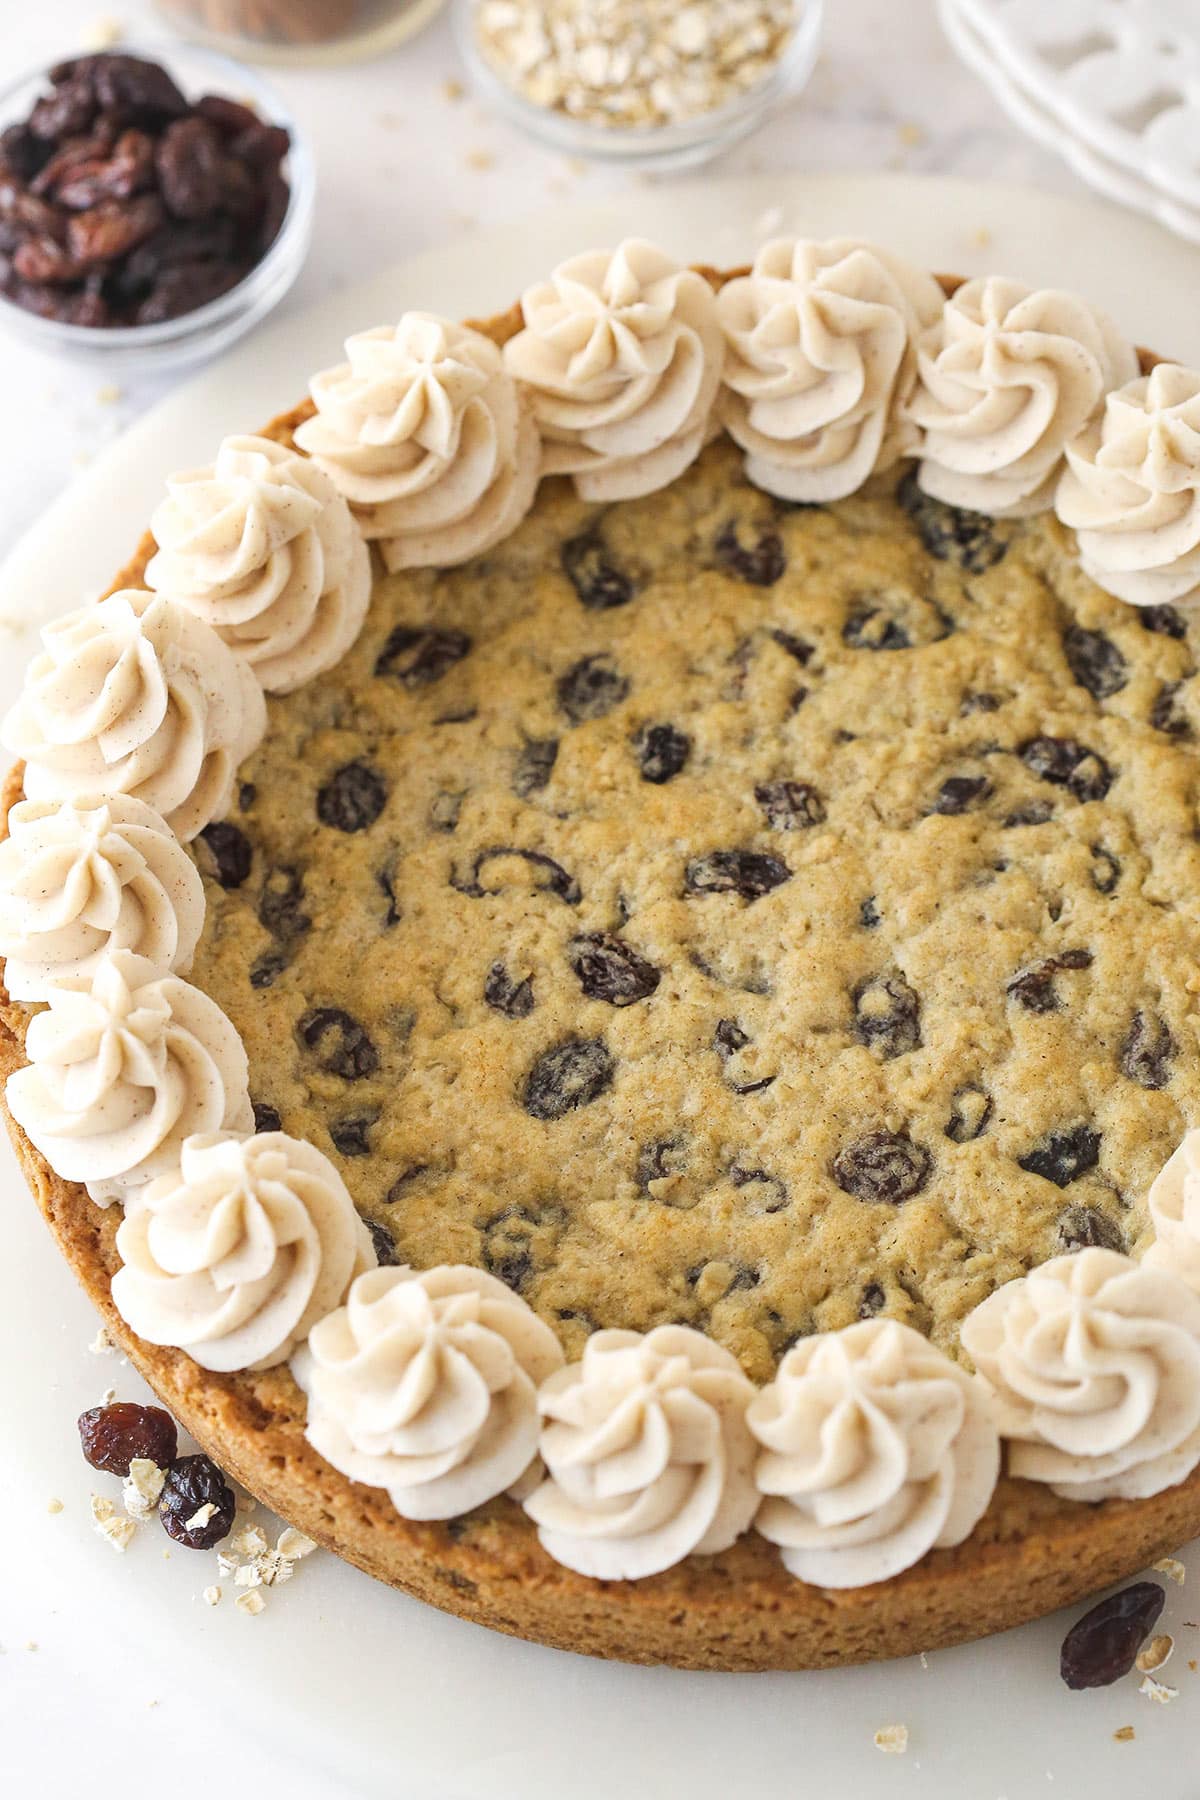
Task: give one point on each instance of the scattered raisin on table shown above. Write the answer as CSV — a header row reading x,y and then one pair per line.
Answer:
x,y
1103,1645
115,1435
193,1484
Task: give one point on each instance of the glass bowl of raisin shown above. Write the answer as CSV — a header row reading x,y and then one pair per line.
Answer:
x,y
154,206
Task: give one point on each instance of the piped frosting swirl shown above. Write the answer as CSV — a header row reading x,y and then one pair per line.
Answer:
x,y
425,1384
1007,376
820,358
425,434
1174,1203
1094,1366
235,1254
122,1068
1131,490
647,1452
136,696
81,878
621,352
262,548
876,1449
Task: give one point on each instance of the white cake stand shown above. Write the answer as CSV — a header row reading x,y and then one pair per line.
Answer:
x,y
355,1690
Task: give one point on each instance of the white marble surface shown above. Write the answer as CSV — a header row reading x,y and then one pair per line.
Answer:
x,y
75,1715
887,93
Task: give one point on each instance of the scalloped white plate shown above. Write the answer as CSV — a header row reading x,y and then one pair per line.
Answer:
x,y
371,1693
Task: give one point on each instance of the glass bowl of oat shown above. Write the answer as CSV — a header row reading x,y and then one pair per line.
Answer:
x,y
650,84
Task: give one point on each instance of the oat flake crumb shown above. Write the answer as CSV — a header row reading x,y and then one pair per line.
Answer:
x,y
1124,1734
251,1602
1155,1653
103,33
1158,1690
201,1516
294,1545
250,1541
142,1487
892,1739
102,1344
54,1505
246,1575
119,1531
211,1595
1172,1568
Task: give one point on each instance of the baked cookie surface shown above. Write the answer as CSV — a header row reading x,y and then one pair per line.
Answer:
x,y
710,911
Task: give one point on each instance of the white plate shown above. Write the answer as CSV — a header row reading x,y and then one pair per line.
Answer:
x,y
389,1696
1024,102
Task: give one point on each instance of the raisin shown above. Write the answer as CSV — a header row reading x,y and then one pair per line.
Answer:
x,y
386,1254
182,290
949,533
1095,662
417,658
871,1301
1103,1645
570,1075
21,153
125,1431
1147,1052
280,903
555,879
266,969
661,751
1086,1228
591,688
386,878
884,1166
887,1015
189,162
445,810
67,112
504,995
40,259
229,854
1165,715
1037,812
596,579
353,798
659,1159
1106,871
790,805
796,647
113,229
535,765
508,1249
870,628
970,1110
134,87
960,792
973,702
1162,619
340,1045
760,564
1063,1156
229,116
1067,764
609,969
351,1134
266,1117
774,1198
1034,989
868,913
247,795
750,873
729,1038
193,1484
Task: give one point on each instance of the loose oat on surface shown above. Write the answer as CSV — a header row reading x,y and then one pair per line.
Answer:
x,y
710,911
892,1739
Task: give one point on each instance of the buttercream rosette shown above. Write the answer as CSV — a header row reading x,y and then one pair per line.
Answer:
x,y
820,358
1093,1362
236,1253
426,435
876,1448
137,696
81,878
647,1452
425,1384
262,547
1008,375
1131,490
122,1068
1174,1205
621,352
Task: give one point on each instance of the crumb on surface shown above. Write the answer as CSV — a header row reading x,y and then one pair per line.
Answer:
x,y
1124,1734
480,160
892,1739
1159,1691
1172,1568
211,1595
54,1504
102,1344
452,90
1154,1654
250,1602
